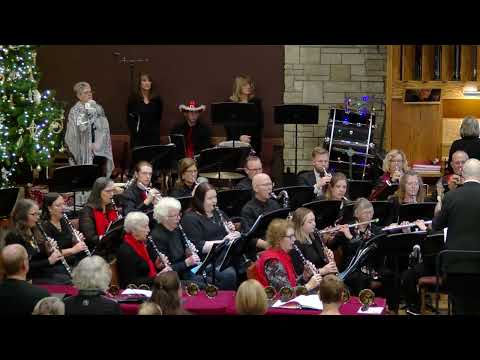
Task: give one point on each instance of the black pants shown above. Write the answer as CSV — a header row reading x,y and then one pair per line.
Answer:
x,y
410,279
464,293
224,280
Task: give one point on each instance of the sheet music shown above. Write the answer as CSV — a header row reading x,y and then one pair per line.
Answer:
x,y
304,301
147,293
377,310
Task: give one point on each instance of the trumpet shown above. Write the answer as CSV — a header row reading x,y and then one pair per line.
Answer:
x,y
162,256
281,195
349,226
148,189
397,227
53,244
324,172
75,233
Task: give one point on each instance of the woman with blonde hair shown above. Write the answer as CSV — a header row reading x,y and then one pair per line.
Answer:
x,y
244,92
251,298
274,266
49,306
337,188
187,177
394,166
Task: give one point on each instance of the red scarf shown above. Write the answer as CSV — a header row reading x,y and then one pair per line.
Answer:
x,y
102,221
141,249
285,260
189,143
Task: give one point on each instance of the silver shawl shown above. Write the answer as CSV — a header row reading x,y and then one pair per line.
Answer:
x,y
78,135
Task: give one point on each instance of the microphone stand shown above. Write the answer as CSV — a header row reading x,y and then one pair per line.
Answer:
x,y
131,62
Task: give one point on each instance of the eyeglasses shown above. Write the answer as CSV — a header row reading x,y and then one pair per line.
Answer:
x,y
145,173
191,171
34,214
257,169
290,237
179,215
396,161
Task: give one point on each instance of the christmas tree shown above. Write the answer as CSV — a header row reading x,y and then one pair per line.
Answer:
x,y
31,122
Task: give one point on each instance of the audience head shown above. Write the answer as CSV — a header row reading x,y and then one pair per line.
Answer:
x,y
459,158
187,172
363,210
253,166
337,188
92,273
25,214
262,186
167,293
471,169
143,172
243,86
331,290
83,91
469,127
281,234
149,308
204,198
53,206
320,158
102,193
395,160
411,185
251,298
136,224
49,306
15,261
304,221
167,212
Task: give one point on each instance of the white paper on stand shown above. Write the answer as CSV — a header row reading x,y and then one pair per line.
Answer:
x,y
377,310
147,293
303,301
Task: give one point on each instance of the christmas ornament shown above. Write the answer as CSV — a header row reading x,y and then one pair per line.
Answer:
x,y
37,97
62,149
21,131
39,168
32,128
21,159
56,127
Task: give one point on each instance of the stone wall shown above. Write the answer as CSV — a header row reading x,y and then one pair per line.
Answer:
x,y
324,75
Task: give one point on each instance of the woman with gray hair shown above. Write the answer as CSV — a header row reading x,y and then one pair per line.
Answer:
x,y
92,278
469,142
135,266
88,132
169,239
49,306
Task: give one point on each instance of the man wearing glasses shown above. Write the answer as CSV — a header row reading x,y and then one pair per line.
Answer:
x,y
253,166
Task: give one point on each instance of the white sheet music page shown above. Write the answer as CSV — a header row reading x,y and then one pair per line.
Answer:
x,y
304,301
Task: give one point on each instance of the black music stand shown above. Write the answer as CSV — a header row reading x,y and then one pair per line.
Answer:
x,y
431,246
259,228
412,212
209,259
8,199
388,191
179,141
327,212
295,114
232,201
348,215
74,179
162,157
222,159
297,195
111,241
383,211
186,202
359,188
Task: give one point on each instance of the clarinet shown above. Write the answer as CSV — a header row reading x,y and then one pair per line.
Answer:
x,y
316,234
54,246
191,246
75,233
306,263
161,255
119,216
222,219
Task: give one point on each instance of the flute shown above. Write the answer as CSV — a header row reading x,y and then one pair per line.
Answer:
x,y
75,233
53,244
349,226
397,227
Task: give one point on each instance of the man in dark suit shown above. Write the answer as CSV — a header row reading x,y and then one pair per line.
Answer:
x,y
458,211
252,167
319,178
17,296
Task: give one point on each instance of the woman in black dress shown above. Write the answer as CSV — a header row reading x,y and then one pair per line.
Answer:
x,y
144,114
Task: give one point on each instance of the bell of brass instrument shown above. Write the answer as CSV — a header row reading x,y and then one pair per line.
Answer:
x,y
270,292
192,289
53,244
75,233
113,290
286,293
211,291
366,297
301,290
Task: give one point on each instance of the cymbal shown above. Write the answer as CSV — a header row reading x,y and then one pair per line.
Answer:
x,y
223,175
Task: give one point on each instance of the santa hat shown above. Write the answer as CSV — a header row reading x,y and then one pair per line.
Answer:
x,y
192,106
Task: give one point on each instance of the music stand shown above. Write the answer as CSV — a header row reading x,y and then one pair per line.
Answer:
x,y
112,239
222,159
209,259
297,195
74,178
232,201
326,212
413,212
179,141
162,157
348,215
359,188
388,191
383,211
431,246
185,201
259,228
9,198
295,114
